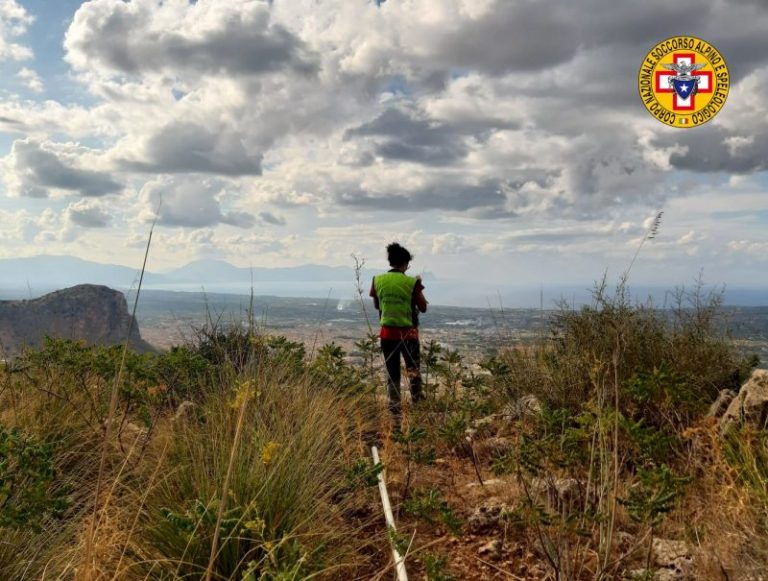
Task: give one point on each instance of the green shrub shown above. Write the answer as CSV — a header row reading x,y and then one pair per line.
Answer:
x,y
654,494
289,353
228,346
430,506
28,479
668,363
330,368
435,567
183,373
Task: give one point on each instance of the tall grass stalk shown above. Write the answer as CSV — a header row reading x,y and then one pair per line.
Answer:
x,y
139,508
88,570
650,234
245,393
320,319
359,289
609,452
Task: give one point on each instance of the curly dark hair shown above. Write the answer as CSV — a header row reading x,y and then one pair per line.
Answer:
x,y
398,255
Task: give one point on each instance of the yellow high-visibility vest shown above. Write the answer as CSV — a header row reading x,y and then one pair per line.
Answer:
x,y
395,293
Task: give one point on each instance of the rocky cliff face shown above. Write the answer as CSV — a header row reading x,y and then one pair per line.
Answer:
x,y
95,314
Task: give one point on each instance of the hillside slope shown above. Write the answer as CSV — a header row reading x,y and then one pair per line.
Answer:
x,y
93,313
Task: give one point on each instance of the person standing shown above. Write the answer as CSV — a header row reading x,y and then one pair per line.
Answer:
x,y
399,298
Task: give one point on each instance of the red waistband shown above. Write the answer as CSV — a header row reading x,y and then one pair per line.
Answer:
x,y
399,333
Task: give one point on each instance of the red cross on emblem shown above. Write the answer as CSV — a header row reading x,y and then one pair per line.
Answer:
x,y
663,85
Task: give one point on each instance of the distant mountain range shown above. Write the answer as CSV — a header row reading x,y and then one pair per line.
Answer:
x,y
42,273
34,276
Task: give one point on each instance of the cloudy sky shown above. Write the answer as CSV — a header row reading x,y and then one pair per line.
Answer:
x,y
502,140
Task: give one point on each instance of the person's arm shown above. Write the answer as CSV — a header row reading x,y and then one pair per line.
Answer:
x,y
418,296
373,295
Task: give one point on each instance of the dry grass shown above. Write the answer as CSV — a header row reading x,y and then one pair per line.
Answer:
x,y
254,481
283,473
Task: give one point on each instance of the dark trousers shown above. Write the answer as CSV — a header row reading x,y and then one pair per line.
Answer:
x,y
393,349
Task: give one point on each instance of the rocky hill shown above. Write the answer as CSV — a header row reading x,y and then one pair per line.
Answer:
x,y
93,313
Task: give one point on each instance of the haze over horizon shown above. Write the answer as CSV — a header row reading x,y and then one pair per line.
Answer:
x,y
32,277
502,141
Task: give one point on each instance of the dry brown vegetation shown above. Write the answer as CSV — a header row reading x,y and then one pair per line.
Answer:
x,y
241,456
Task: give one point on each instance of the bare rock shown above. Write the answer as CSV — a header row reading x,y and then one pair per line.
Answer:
x,y
657,575
92,313
718,407
524,407
624,541
496,446
671,575
666,553
485,518
483,427
130,432
485,422
127,433
185,411
750,405
491,483
674,560
491,549
564,494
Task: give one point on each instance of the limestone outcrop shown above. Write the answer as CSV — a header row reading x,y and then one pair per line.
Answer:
x,y
751,403
92,313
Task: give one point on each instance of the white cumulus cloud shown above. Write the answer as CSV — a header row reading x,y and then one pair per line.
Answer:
x,y
31,80
14,21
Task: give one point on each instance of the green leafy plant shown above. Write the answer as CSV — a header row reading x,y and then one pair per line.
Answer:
x,y
199,520
363,474
453,430
285,561
370,351
183,372
653,497
662,397
331,368
451,370
28,482
435,567
399,540
654,494
228,345
430,357
284,351
430,506
415,452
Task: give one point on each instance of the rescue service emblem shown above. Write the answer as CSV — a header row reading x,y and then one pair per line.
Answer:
x,y
683,81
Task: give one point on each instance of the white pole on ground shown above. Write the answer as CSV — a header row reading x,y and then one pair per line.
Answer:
x,y
399,560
